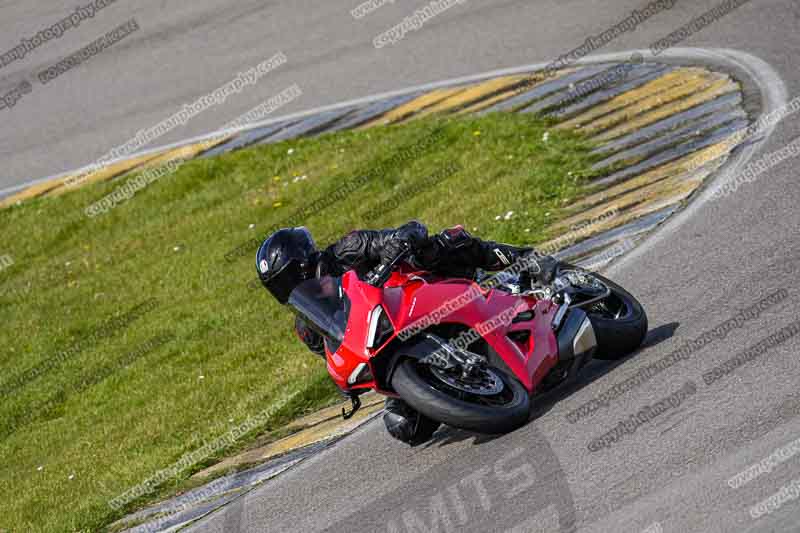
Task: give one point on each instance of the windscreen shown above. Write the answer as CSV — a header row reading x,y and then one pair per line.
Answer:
x,y
323,302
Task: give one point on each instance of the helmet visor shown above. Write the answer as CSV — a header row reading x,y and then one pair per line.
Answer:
x,y
281,284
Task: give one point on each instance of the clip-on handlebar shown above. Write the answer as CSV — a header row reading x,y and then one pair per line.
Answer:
x,y
381,273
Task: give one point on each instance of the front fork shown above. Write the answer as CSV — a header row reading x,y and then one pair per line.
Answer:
x,y
448,357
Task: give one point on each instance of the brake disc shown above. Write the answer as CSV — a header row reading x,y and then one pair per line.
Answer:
x,y
484,383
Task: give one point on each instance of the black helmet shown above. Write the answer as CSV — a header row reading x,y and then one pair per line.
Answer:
x,y
285,259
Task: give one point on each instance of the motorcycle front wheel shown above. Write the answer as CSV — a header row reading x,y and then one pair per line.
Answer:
x,y
489,402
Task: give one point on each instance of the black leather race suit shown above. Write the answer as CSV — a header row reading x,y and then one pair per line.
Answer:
x,y
453,252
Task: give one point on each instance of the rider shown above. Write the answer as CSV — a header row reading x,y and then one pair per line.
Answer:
x,y
289,256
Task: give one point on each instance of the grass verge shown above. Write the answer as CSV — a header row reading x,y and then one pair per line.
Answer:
x,y
128,341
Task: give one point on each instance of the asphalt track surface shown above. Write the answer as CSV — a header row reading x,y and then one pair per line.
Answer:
x,y
701,269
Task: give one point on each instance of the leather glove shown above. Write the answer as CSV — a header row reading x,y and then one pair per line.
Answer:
x,y
392,249
390,252
413,233
542,268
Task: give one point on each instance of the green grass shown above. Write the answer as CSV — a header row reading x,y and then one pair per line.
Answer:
x,y
111,416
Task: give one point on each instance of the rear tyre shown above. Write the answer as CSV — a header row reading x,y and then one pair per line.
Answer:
x,y
431,396
619,322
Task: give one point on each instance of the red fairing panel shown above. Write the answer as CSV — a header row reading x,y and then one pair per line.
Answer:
x,y
415,301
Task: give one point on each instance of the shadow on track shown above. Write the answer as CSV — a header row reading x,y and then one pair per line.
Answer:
x,y
597,369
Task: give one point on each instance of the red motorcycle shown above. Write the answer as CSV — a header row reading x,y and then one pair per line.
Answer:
x,y
468,353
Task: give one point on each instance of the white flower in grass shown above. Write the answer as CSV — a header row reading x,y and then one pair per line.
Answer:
x,y
39,468
71,476
252,226
527,230
498,217
201,377
290,151
509,215
176,249
546,136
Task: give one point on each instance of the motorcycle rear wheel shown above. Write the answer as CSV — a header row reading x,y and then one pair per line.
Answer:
x,y
434,398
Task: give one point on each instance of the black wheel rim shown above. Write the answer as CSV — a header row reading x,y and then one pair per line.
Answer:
x,y
503,398
611,308
482,381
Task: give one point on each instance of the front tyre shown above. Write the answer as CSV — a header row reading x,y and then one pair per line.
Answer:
x,y
444,399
